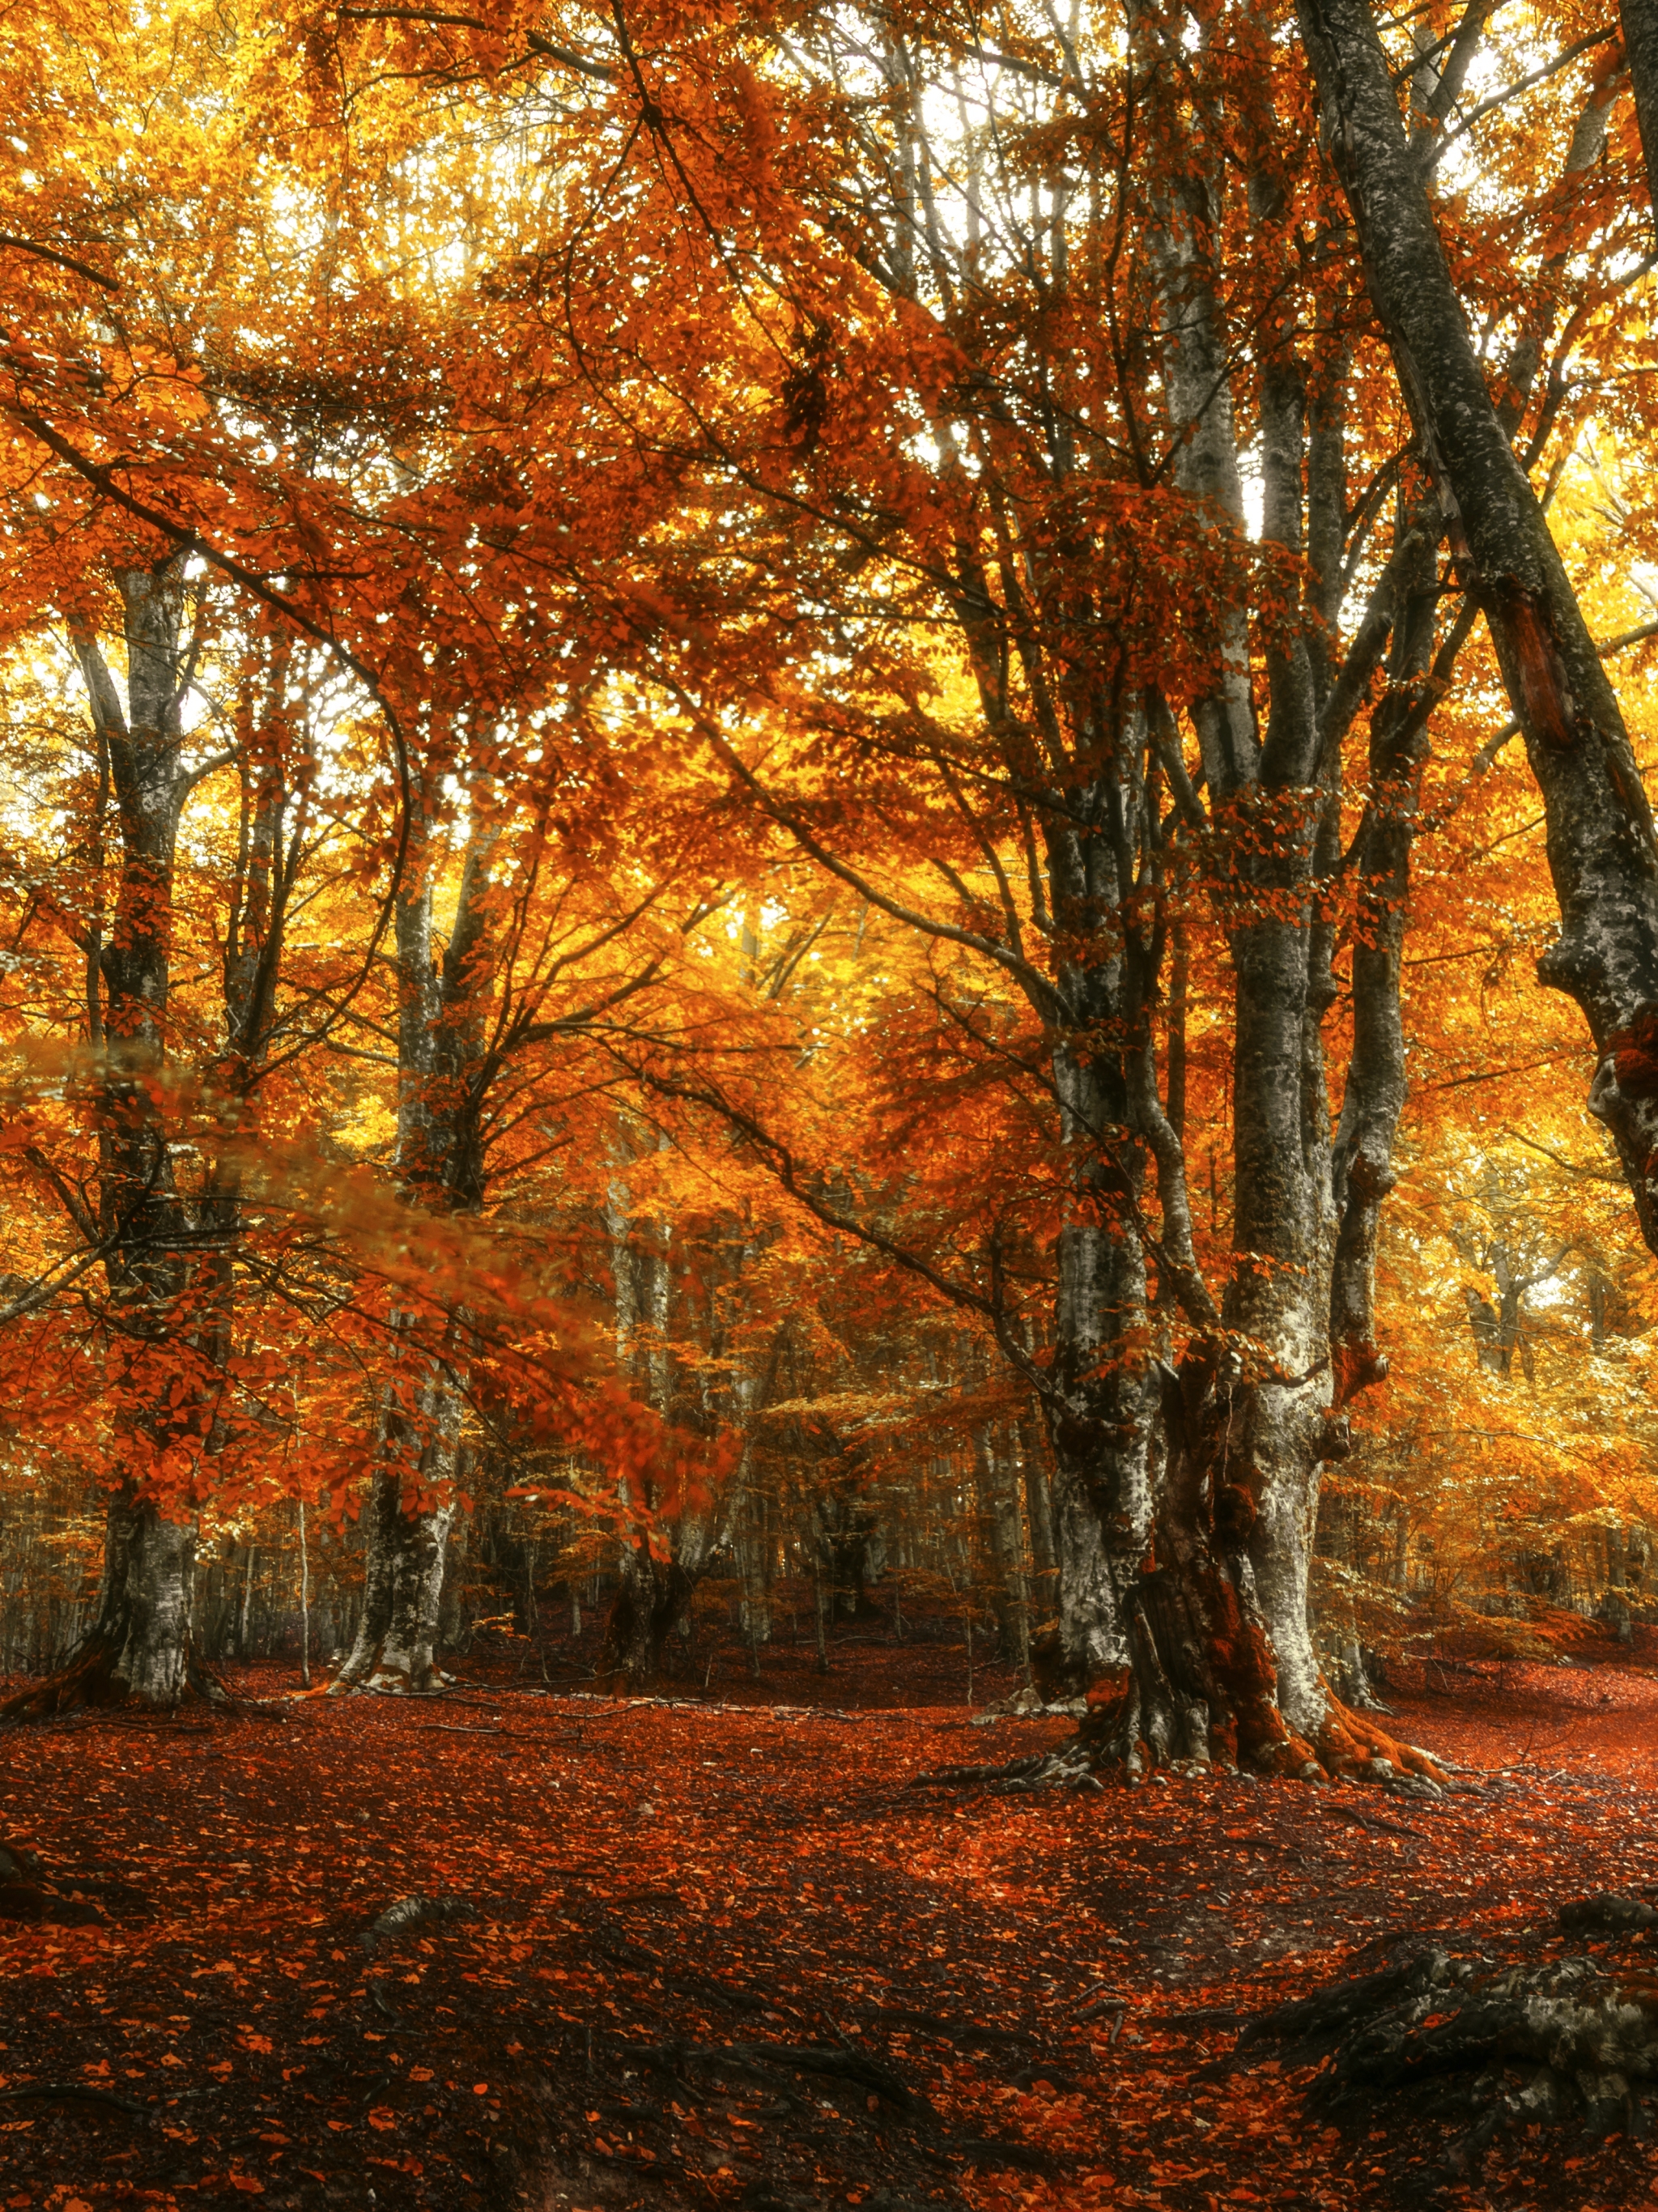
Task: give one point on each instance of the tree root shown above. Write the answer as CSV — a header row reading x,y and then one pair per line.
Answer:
x,y
1473,2041
759,2059
415,1912
1351,1743
371,1679
74,2093
73,1899
88,1681
1124,1734
1068,1766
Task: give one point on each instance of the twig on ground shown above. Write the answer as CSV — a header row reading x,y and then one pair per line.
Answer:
x,y
1370,1821
78,2093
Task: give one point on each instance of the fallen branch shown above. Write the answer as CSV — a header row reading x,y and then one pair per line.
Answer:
x,y
415,1912
1370,1821
77,2093
503,1735
824,2058
948,2030
991,2151
1100,2001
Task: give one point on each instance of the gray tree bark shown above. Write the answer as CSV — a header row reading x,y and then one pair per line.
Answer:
x,y
664,1554
139,1645
1639,19
1601,851
997,1498
410,1507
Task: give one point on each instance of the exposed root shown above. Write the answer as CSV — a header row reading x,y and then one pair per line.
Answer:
x,y
393,1668
1473,2041
29,1893
1350,1742
89,1680
384,1684
1141,1716
1070,1764
415,1912
1108,1743
74,2093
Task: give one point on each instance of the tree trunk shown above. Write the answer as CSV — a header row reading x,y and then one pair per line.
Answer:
x,y
1102,1453
395,1649
304,1605
848,1547
653,1596
1361,1169
752,1538
244,1618
1214,1649
1600,846
410,1507
139,1645
653,1599
998,1498
1039,1510
1639,19
1216,1653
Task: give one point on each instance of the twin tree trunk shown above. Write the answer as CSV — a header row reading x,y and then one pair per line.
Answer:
x,y
1206,1636
664,1554
1186,1491
441,1079
139,1645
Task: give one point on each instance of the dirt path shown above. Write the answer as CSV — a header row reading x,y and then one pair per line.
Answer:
x,y
730,1958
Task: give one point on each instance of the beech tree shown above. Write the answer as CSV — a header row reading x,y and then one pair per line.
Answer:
x,y
892,618
141,1639
1602,852
1084,327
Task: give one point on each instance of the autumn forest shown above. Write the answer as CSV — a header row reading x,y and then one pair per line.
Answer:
x,y
828,1017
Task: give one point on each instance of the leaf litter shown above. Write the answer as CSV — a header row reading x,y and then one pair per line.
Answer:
x,y
651,1953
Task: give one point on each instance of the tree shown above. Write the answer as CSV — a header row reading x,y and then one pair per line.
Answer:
x,y
877,816
1603,856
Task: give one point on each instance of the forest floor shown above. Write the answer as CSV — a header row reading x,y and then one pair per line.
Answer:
x,y
723,1956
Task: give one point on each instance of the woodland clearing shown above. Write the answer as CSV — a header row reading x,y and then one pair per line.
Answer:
x,y
723,1955
820,825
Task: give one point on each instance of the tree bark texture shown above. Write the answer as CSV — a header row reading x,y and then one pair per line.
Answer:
x,y
1601,852
395,1649
1639,19
409,1511
1361,1170
138,1645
